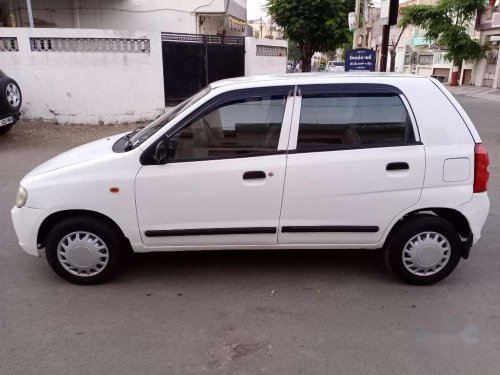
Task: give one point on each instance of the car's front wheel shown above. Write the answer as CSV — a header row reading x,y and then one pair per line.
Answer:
x,y
424,250
10,95
84,250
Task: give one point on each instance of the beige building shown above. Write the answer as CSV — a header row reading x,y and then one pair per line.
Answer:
x,y
218,17
487,71
414,53
263,28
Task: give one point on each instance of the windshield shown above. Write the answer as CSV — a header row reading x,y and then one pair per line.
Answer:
x,y
138,137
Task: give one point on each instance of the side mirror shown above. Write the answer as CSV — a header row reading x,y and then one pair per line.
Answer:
x,y
160,154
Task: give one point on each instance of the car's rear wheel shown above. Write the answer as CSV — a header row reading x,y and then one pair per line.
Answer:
x,y
84,250
424,250
10,95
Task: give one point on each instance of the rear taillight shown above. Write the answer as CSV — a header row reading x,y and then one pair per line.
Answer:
x,y
481,174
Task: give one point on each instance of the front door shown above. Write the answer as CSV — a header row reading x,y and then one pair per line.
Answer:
x,y
355,163
223,180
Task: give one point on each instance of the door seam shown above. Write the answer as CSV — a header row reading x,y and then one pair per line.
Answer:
x,y
286,169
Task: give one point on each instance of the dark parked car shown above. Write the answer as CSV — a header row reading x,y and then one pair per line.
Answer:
x,y
10,102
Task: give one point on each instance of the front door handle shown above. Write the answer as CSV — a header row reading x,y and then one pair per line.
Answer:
x,y
253,175
397,166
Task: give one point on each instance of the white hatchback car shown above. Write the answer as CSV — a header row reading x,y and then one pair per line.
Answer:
x,y
286,162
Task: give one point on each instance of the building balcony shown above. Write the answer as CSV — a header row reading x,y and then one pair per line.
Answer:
x,y
490,19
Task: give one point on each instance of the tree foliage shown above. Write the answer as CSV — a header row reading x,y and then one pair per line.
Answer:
x,y
447,23
315,25
293,51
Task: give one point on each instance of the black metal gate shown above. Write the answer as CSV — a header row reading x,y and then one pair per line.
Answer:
x,y
190,62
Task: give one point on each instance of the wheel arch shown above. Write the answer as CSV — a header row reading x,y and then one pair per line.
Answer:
x,y
453,216
51,220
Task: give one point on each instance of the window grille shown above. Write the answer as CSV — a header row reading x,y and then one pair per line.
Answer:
x,y
8,44
90,45
271,51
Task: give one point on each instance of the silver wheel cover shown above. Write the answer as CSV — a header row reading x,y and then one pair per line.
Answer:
x,y
426,253
13,95
83,254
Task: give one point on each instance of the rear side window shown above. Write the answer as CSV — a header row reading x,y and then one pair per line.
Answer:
x,y
353,120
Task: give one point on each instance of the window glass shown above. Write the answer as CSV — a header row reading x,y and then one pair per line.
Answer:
x,y
336,121
245,127
160,122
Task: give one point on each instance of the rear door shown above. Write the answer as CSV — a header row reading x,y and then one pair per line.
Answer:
x,y
355,162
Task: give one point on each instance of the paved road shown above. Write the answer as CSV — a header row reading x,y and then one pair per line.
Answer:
x,y
197,313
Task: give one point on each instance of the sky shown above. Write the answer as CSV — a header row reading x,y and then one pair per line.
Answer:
x,y
254,9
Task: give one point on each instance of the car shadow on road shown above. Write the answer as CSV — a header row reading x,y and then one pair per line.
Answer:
x,y
271,264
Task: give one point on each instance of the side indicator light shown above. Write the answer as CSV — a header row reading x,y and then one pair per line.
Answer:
x,y
114,189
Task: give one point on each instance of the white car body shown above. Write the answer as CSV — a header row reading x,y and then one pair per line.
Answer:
x,y
343,188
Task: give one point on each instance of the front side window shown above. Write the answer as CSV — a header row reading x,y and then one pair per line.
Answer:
x,y
330,121
243,127
143,134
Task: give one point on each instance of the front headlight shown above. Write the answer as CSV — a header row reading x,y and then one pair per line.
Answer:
x,y
21,197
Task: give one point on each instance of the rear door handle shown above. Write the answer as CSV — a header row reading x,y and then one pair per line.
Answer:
x,y
397,166
253,175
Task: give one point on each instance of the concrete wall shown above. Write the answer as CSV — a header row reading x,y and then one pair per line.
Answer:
x,y
86,87
152,15
255,65
236,8
105,86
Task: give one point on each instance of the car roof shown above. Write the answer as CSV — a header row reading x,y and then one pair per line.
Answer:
x,y
312,78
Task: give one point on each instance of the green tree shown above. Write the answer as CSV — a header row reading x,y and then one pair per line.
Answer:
x,y
447,23
293,51
315,25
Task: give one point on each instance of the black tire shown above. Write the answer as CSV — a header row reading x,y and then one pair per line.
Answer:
x,y
408,229
5,105
113,240
5,129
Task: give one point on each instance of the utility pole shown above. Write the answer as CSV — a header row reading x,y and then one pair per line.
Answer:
x,y
388,16
30,13
384,48
76,14
357,14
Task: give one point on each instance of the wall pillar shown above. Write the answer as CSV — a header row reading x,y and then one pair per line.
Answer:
x,y
497,74
479,72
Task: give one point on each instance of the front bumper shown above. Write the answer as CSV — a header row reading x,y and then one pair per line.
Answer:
x,y
14,116
26,222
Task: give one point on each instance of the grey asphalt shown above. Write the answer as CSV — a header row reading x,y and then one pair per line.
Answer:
x,y
300,312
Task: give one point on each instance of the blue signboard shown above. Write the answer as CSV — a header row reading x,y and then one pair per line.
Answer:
x,y
361,59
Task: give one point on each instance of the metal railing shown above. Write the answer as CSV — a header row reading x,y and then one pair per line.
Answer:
x,y
209,39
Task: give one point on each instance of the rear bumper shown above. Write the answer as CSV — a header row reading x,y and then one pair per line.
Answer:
x,y
26,223
466,245
476,212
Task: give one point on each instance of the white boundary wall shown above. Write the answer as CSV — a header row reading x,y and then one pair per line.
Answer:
x,y
255,65
106,86
86,87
